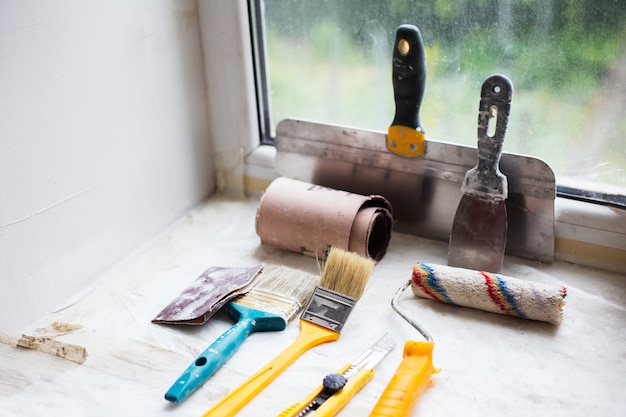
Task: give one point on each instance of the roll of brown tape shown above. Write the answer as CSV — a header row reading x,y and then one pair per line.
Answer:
x,y
307,218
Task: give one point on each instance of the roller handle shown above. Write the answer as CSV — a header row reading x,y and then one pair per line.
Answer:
x,y
406,134
493,120
310,335
407,384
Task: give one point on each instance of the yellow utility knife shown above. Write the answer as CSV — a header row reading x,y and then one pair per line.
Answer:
x,y
337,389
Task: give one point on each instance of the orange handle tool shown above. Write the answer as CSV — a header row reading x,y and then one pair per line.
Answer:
x,y
407,384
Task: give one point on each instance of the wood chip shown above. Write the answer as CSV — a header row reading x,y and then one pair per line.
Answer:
x,y
74,353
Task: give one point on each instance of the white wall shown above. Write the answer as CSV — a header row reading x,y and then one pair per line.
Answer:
x,y
104,140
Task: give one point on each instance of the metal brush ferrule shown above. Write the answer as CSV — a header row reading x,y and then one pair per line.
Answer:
x,y
328,308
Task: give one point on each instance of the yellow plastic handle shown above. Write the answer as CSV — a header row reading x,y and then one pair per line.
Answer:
x,y
310,335
335,403
296,408
405,141
408,383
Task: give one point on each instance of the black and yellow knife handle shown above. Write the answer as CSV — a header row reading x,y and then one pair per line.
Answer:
x,y
406,135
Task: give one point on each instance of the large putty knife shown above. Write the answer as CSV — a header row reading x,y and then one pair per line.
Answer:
x,y
478,236
424,190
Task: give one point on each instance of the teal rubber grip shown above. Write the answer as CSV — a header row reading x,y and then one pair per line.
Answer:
x,y
222,349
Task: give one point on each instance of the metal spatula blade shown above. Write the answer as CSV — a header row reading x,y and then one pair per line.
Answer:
x,y
478,236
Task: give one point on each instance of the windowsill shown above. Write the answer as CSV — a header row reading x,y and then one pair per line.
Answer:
x,y
135,361
585,233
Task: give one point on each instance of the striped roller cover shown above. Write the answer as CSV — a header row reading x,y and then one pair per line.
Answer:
x,y
490,292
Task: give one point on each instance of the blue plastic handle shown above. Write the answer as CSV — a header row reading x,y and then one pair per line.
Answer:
x,y
216,355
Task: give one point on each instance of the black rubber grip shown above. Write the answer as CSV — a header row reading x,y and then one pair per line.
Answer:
x,y
409,76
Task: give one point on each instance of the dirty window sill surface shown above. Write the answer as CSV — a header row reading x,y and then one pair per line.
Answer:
x,y
490,364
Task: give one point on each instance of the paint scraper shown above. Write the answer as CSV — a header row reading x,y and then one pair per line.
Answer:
x,y
478,236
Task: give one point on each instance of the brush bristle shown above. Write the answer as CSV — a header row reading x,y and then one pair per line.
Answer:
x,y
280,290
288,282
346,272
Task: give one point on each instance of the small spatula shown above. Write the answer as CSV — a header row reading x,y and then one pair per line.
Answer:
x,y
478,236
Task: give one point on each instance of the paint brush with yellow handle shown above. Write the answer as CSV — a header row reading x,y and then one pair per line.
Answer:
x,y
466,288
342,283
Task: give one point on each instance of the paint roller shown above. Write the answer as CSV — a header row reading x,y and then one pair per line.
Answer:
x,y
469,288
489,292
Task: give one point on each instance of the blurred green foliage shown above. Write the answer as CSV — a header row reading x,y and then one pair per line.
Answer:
x,y
552,42
330,60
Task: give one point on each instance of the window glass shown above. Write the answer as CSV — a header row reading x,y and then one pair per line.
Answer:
x,y
330,61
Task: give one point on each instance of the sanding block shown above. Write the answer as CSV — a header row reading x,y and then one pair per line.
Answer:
x,y
207,294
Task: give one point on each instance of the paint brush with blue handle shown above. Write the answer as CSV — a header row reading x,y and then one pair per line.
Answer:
x,y
279,294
